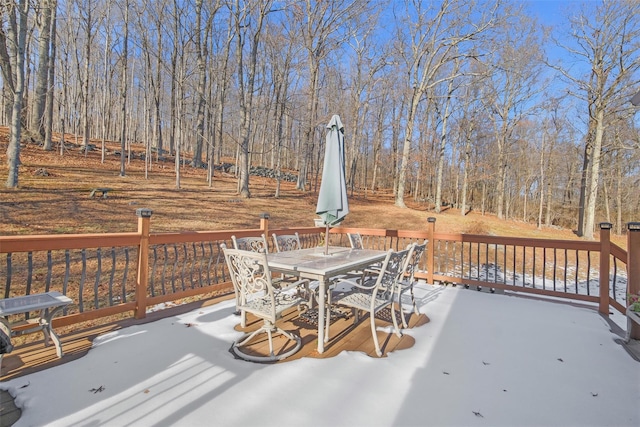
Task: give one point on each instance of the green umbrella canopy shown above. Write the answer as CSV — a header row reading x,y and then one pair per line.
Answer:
x,y
333,205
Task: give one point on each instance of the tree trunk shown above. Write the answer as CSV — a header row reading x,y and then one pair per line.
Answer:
x,y
541,186
17,36
48,127
588,149
443,142
406,149
594,175
42,73
124,88
202,82
87,70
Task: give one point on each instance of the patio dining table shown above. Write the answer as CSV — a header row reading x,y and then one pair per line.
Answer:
x,y
313,264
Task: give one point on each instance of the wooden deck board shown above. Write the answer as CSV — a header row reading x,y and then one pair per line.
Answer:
x,y
344,336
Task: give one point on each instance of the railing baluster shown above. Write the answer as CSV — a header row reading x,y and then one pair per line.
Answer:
x,y
184,265
533,268
201,263
478,261
470,259
7,286
544,268
125,273
524,265
192,267
515,271
555,267
566,266
589,273
175,268
112,274
29,272
83,276
152,286
164,269
577,270
67,267
47,280
615,277
504,263
209,263
96,284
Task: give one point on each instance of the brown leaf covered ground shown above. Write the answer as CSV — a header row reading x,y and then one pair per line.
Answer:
x,y
58,201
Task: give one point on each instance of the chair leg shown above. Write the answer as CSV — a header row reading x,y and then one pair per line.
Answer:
x,y
270,337
413,301
395,321
374,333
403,315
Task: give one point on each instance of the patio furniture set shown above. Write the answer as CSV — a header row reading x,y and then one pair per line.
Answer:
x,y
268,284
345,278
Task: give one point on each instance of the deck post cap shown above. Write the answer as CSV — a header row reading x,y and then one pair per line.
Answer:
x,y
144,213
633,226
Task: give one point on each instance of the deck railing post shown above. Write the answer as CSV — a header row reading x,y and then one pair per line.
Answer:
x,y
144,226
633,268
264,223
431,227
605,251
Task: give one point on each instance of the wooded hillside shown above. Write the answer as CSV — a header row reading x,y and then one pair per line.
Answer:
x,y
452,103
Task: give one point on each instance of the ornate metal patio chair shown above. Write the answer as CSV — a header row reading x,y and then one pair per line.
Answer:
x,y
286,242
291,242
374,294
407,281
355,239
256,295
253,244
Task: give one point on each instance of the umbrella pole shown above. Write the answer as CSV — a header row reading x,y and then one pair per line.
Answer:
x,y
326,241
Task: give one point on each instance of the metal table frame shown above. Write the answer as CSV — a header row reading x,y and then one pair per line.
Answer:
x,y
46,304
313,264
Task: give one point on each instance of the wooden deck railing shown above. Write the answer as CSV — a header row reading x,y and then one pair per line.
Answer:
x,y
126,273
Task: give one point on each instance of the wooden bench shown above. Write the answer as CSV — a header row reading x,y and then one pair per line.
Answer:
x,y
47,305
102,191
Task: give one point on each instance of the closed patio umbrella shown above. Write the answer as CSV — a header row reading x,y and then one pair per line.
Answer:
x,y
333,205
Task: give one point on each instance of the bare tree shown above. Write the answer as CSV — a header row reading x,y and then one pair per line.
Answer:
x,y
508,93
605,40
202,52
86,11
370,59
321,30
42,73
124,87
48,119
249,21
431,35
13,35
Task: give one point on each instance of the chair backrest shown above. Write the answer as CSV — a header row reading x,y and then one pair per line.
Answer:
x,y
392,270
355,239
251,279
286,242
414,260
253,243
